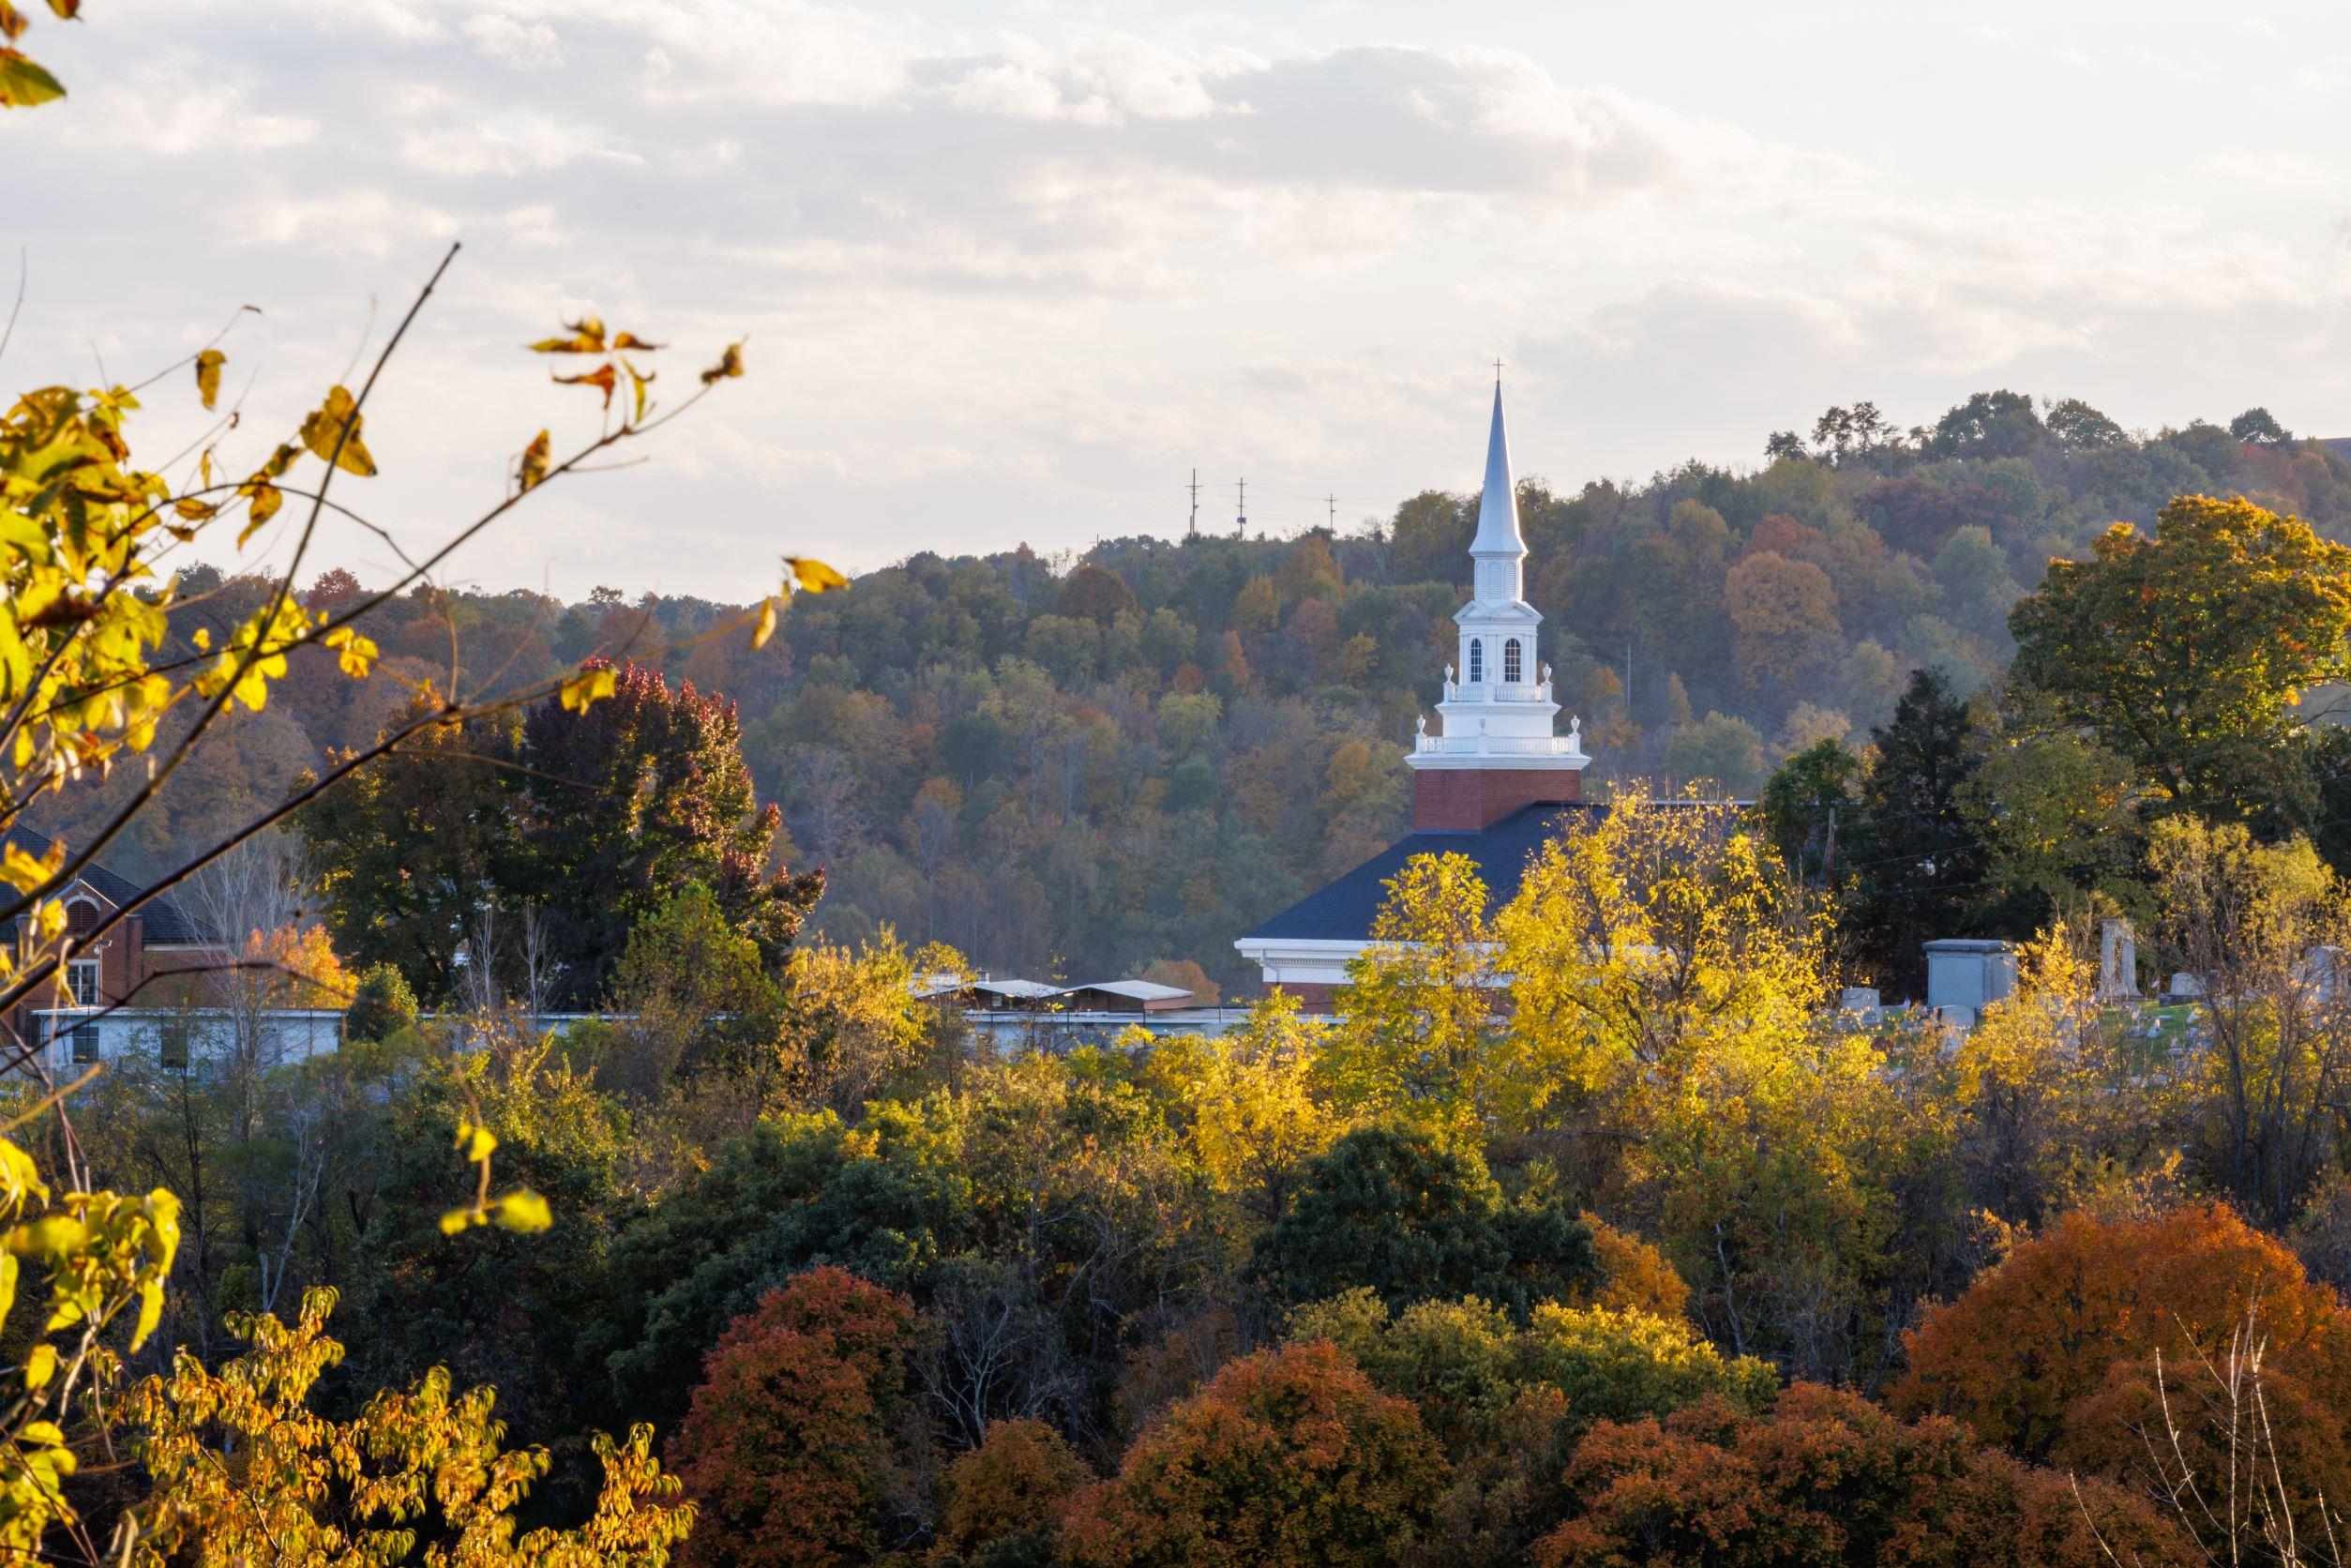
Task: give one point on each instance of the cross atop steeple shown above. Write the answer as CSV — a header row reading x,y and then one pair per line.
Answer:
x,y
1498,372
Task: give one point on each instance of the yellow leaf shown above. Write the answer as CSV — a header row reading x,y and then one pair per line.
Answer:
x,y
630,340
729,364
480,1144
150,1312
22,872
208,364
535,459
524,1210
202,638
50,1236
587,336
814,577
357,653
589,686
41,1365
458,1219
323,429
12,22
766,628
24,84
193,510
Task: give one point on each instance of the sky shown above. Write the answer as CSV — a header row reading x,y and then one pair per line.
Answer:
x,y
1013,272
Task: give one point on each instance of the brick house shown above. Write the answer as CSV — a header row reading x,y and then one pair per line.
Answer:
x,y
147,963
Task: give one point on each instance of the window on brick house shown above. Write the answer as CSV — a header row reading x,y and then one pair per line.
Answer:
x,y
171,1043
81,918
82,1040
82,981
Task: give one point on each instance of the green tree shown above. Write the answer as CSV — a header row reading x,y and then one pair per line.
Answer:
x,y
694,992
1916,862
381,1006
2189,652
1720,752
1411,1217
1806,804
887,1201
634,797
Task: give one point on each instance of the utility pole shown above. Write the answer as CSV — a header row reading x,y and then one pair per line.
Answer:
x,y
1628,680
1332,502
1241,523
1192,528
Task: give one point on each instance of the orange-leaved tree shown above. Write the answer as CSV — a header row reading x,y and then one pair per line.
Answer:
x,y
1826,1477
2046,1329
1006,1494
1288,1457
792,1449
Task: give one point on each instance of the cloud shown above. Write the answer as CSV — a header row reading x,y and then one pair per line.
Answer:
x,y
524,144
2269,171
365,222
173,111
518,45
1018,281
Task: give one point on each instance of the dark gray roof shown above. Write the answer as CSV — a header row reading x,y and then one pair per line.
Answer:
x,y
166,921
1343,910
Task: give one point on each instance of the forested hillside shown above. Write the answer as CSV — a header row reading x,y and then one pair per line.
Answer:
x,y
1083,766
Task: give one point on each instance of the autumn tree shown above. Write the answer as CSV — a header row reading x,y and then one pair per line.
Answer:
x,y
1785,612
1416,1014
1001,1503
1825,1477
2259,926
243,1471
2016,1354
2189,652
790,1450
640,795
1288,1457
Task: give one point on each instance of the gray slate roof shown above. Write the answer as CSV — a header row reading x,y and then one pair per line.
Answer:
x,y
166,921
1343,910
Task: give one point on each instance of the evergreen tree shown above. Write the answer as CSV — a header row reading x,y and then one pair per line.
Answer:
x,y
1917,866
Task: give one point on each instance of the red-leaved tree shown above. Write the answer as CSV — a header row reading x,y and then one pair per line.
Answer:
x,y
1015,1483
1827,1478
793,1451
1289,1456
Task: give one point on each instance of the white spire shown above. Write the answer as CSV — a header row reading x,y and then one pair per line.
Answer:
x,y
1498,510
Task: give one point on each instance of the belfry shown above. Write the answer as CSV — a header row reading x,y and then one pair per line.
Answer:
x,y
1499,749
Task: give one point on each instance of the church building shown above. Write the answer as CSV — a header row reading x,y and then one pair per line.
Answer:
x,y
1494,784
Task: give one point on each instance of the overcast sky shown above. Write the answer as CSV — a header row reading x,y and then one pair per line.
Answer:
x,y
1011,271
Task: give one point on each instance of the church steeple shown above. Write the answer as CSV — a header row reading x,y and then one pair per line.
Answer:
x,y
1498,548
1497,750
